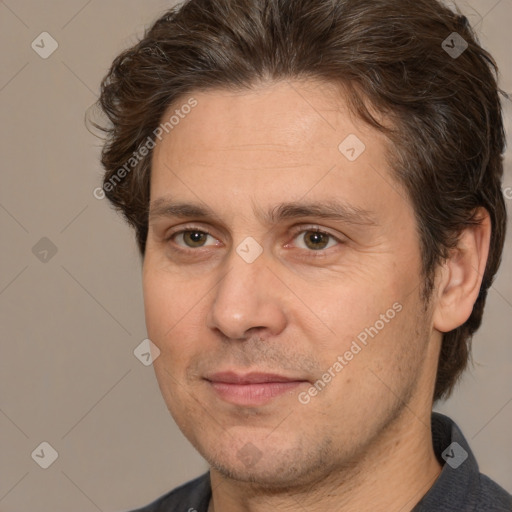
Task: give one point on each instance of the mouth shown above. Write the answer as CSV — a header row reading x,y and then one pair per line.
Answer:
x,y
252,389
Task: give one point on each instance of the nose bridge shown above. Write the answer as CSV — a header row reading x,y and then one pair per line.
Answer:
x,y
244,298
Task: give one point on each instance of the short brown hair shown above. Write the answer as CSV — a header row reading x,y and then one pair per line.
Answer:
x,y
447,137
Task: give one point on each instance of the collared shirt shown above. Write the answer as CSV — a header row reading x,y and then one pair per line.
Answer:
x,y
460,486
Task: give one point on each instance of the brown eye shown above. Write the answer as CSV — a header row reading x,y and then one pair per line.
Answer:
x,y
191,238
315,240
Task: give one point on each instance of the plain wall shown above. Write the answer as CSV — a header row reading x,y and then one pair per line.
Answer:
x,y
69,325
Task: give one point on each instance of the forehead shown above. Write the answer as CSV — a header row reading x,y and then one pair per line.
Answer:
x,y
291,120
287,137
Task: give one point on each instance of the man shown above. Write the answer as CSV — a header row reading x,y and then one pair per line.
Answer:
x,y
316,193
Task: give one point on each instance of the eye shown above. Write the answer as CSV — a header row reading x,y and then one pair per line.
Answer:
x,y
191,238
315,240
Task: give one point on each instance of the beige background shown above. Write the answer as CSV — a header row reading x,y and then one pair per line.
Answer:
x,y
69,326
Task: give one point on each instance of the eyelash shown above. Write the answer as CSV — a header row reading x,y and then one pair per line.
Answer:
x,y
295,232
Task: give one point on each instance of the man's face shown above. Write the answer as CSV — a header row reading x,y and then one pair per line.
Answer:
x,y
252,288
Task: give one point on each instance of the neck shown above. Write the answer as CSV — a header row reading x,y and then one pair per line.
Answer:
x,y
395,471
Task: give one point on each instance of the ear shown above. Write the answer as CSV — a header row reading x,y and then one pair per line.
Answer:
x,y
461,275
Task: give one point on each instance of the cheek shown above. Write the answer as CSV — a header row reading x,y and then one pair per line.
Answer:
x,y
166,299
157,305
364,323
174,312
344,309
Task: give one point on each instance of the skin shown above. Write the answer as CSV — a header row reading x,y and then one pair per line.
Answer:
x,y
364,441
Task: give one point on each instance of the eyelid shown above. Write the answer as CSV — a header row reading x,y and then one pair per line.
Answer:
x,y
186,227
311,227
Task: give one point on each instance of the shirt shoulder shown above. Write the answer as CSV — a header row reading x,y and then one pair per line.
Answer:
x,y
192,496
492,497
460,486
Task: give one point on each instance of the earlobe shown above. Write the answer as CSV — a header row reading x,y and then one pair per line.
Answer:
x,y
460,277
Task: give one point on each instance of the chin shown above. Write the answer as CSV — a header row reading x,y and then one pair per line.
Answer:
x,y
269,467
265,477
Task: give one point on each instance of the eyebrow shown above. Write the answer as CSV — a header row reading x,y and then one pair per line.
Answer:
x,y
329,209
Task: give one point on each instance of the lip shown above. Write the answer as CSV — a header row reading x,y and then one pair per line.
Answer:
x,y
253,388
250,378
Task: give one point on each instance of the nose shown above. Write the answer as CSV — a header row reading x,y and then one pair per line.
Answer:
x,y
249,298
